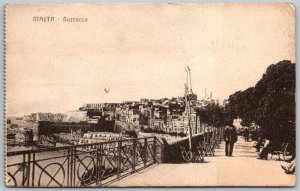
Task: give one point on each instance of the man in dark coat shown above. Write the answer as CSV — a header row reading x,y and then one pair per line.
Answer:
x,y
246,134
259,139
230,137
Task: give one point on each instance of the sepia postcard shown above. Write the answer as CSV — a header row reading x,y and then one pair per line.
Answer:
x,y
150,95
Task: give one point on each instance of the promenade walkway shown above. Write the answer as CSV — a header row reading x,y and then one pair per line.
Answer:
x,y
241,169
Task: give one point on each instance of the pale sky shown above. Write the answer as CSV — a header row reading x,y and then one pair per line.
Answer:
x,y
139,51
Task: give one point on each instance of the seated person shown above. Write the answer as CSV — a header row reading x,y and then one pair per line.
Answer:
x,y
291,149
259,144
291,159
291,168
263,154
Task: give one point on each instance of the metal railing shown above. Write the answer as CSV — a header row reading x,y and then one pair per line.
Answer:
x,y
94,165
212,139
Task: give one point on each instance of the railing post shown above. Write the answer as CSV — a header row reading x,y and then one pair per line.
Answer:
x,y
100,154
74,167
154,150
33,169
145,151
119,158
71,167
23,172
97,166
68,170
134,155
28,168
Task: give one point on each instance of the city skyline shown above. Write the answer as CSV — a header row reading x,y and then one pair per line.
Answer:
x,y
144,60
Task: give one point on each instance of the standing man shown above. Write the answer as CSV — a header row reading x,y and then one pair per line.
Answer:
x,y
230,137
259,139
246,134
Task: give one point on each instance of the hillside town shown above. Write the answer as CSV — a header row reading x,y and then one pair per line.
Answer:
x,y
166,116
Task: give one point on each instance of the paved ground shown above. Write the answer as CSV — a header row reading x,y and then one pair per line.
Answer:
x,y
243,169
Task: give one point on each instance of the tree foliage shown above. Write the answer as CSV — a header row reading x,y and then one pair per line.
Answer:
x,y
212,114
270,104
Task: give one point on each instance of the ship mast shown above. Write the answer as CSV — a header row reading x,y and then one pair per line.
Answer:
x,y
188,94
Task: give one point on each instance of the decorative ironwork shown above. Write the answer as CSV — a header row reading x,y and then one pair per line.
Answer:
x,y
82,165
208,149
188,155
48,174
211,140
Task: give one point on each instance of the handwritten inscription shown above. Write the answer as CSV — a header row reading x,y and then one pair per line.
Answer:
x,y
223,43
